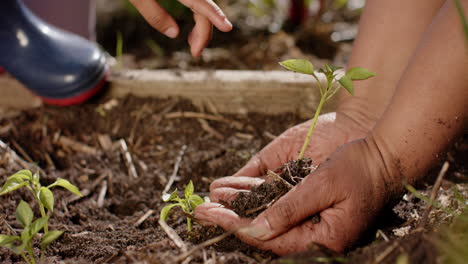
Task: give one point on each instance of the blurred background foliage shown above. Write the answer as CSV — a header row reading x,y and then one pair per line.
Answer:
x,y
265,32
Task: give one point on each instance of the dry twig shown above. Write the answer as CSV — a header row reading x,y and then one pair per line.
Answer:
x,y
200,246
206,126
22,151
176,170
279,178
102,195
76,146
17,159
435,189
128,159
173,236
143,218
236,124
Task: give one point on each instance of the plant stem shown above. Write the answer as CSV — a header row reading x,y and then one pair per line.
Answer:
x,y
189,224
31,254
319,84
43,214
312,126
25,258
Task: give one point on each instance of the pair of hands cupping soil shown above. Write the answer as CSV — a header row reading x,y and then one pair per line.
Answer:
x,y
345,198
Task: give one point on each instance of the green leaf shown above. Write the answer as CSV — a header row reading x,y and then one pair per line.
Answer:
x,y
26,234
14,182
347,83
5,240
359,73
47,198
9,242
24,214
35,178
24,174
172,197
299,65
189,190
67,185
165,211
195,201
38,225
50,237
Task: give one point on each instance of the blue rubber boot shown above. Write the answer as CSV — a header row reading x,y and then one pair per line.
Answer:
x,y
61,68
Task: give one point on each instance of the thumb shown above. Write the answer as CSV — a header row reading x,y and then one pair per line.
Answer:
x,y
309,197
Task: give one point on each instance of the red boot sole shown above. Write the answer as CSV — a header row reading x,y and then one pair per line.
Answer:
x,y
79,99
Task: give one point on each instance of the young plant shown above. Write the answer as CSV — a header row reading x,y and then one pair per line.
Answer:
x,y
188,204
327,92
44,197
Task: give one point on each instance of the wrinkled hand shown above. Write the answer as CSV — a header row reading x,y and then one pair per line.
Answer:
x,y
332,130
347,191
205,12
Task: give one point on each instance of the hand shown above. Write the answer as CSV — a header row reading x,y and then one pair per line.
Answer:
x,y
206,14
332,130
347,191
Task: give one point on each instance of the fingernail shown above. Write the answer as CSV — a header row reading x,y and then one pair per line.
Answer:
x,y
171,32
259,229
227,22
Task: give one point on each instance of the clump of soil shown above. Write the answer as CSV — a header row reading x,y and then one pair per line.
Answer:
x,y
250,204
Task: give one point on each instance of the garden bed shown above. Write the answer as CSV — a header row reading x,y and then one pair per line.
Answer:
x,y
117,219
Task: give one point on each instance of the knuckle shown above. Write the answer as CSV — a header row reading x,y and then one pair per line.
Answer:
x,y
157,21
283,216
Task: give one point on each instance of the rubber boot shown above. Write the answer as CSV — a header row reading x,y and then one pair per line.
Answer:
x,y
60,67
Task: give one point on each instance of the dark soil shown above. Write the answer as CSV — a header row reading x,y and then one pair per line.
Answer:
x,y
107,232
250,204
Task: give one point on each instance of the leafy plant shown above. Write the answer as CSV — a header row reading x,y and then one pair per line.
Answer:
x,y
327,92
188,204
22,245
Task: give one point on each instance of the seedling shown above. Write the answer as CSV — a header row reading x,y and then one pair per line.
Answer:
x,y
332,87
22,245
188,204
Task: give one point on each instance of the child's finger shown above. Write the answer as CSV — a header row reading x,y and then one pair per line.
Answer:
x,y
157,17
200,35
211,11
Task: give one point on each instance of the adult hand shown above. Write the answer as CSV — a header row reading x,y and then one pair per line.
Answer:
x,y
347,191
332,130
205,12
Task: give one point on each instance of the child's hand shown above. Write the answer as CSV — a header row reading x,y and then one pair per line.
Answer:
x,y
347,191
205,12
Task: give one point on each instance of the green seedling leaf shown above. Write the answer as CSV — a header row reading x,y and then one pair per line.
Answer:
x,y
189,190
26,234
347,83
24,174
299,65
37,225
165,211
195,201
67,185
6,240
24,214
171,197
50,237
359,73
47,198
13,183
35,178
12,242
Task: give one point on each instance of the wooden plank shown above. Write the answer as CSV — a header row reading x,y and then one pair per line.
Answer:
x,y
228,91
14,95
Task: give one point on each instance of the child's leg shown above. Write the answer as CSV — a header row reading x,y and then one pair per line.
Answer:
x,y
77,16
